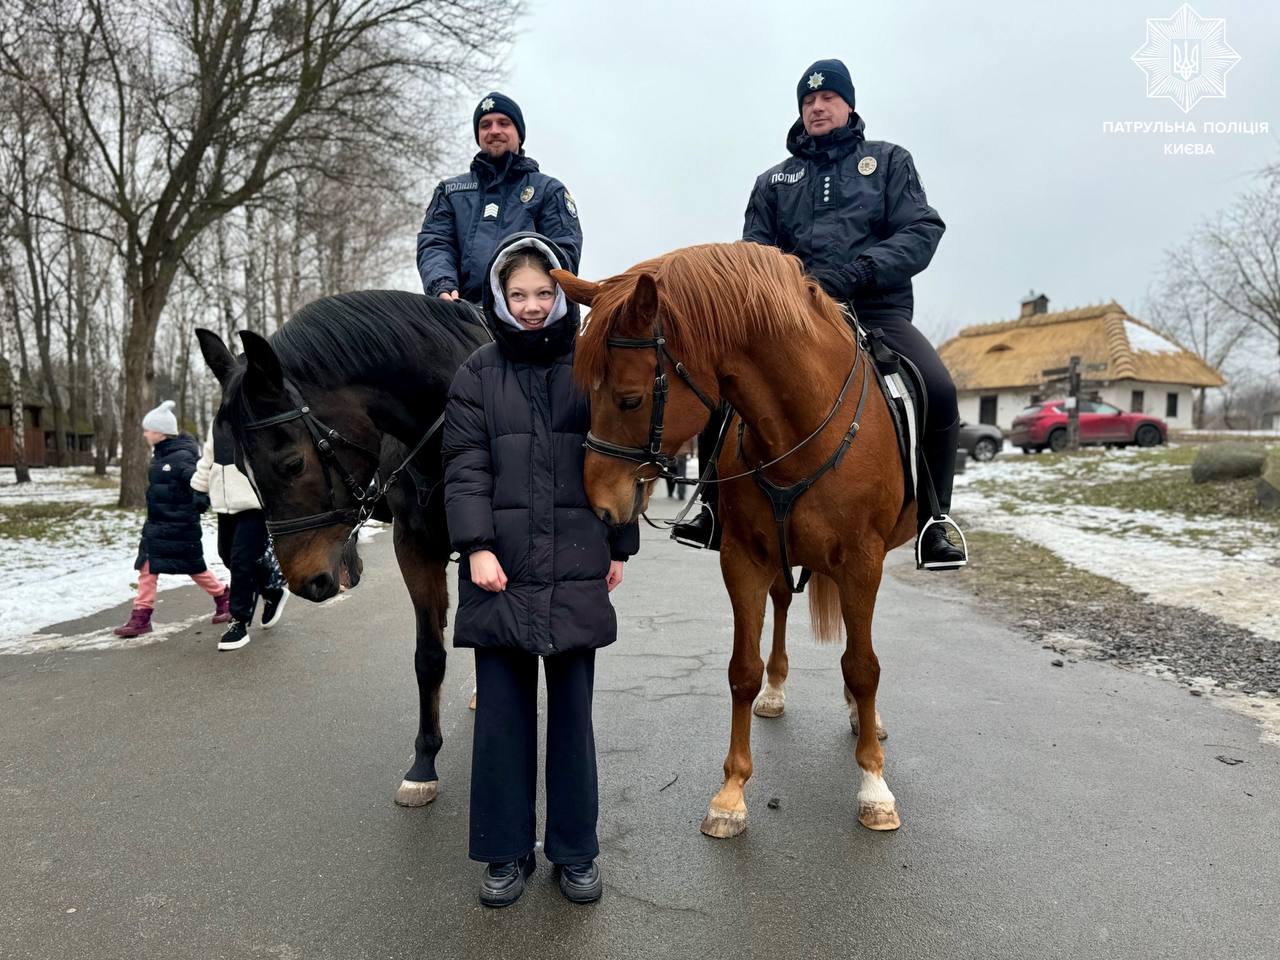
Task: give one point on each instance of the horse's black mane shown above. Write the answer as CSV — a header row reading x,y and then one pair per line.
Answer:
x,y
351,336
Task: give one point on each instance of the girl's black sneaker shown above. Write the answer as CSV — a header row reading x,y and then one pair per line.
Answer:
x,y
237,636
581,882
503,883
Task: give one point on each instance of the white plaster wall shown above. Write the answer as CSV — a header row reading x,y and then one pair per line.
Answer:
x,y
1121,392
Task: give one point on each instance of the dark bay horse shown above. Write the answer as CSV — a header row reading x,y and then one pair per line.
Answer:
x,y
323,413
741,322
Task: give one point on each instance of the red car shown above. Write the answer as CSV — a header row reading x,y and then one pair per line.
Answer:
x,y
1044,425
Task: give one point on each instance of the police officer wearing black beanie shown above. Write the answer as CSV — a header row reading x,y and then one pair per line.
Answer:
x,y
503,193
854,211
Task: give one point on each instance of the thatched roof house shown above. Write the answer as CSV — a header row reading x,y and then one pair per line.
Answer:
x,y
999,367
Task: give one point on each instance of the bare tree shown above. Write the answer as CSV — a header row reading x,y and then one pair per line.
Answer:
x,y
1182,307
185,110
1233,260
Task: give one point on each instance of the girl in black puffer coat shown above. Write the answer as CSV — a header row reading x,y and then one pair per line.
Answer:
x,y
171,535
534,581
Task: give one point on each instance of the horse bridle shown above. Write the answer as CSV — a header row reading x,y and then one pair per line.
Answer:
x,y
651,453
326,439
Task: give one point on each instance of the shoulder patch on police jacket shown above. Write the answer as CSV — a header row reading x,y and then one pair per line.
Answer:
x,y
569,204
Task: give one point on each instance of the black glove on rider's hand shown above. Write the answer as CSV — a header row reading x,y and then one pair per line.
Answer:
x,y
201,500
841,284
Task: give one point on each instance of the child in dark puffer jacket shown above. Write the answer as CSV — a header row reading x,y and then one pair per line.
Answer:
x,y
534,581
171,534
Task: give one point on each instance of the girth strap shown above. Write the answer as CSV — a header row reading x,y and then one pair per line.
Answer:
x,y
783,499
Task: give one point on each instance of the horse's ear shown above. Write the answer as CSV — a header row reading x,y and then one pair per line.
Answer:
x,y
575,288
216,354
262,358
643,304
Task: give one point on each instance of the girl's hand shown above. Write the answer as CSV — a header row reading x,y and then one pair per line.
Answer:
x,y
486,571
615,574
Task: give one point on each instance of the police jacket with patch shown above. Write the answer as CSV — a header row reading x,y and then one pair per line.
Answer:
x,y
171,535
514,430
849,208
469,214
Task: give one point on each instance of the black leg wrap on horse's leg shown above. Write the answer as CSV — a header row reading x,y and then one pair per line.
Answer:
x,y
428,664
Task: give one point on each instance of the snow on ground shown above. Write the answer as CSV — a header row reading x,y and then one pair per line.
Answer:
x,y
1220,566
81,565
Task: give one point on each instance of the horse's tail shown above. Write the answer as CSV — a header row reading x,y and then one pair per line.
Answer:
x,y
825,618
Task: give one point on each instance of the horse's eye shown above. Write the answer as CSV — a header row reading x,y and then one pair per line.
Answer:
x,y
292,467
630,403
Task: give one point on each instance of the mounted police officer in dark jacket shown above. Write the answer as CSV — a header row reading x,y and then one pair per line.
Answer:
x,y
854,211
503,194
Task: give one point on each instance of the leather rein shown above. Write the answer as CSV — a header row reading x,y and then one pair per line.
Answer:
x,y
326,441
782,498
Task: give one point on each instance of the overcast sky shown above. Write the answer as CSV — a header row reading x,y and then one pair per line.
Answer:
x,y
659,115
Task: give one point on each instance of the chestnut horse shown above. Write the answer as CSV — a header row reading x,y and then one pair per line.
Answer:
x,y
664,344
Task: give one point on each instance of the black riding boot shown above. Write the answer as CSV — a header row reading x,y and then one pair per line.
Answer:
x,y
935,549
704,529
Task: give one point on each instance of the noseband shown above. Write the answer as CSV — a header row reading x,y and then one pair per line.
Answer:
x,y
326,440
651,453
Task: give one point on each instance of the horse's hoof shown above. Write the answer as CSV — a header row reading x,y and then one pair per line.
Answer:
x,y
416,793
723,824
771,703
877,815
881,732
472,704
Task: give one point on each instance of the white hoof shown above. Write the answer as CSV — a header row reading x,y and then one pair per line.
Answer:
x,y
879,816
723,824
416,793
771,702
877,808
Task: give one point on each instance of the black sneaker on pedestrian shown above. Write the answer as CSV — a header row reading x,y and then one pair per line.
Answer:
x,y
237,636
935,550
273,602
503,883
701,531
580,882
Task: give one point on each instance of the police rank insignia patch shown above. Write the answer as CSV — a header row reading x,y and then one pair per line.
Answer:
x,y
526,194
486,103
815,81
569,204
867,166
490,211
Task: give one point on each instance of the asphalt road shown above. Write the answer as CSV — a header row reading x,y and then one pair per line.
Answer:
x,y
172,801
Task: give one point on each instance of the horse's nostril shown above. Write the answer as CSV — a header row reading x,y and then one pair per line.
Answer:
x,y
320,587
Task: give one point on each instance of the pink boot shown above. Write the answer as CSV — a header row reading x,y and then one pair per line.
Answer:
x,y
139,623
222,606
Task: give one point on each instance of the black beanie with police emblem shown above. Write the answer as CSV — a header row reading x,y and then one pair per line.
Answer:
x,y
830,75
498,103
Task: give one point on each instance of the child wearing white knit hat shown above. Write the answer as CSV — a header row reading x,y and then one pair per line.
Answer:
x,y
171,537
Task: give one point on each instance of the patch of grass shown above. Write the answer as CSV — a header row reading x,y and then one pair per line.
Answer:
x,y
52,521
1162,484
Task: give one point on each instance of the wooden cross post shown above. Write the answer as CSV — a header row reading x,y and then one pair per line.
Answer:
x,y
1073,404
